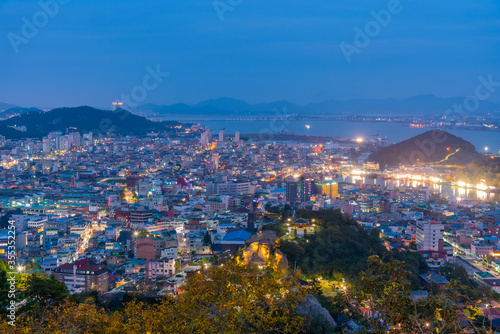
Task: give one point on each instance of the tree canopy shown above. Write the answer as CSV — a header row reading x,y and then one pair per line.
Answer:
x,y
230,299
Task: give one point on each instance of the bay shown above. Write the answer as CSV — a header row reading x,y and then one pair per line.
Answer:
x,y
394,132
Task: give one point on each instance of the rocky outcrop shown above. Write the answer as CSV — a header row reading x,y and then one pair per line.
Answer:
x,y
280,261
266,237
311,308
257,254
260,248
260,251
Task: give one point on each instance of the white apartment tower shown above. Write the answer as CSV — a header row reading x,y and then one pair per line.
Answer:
x,y
429,235
204,138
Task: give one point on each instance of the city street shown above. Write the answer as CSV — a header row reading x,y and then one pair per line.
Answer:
x,y
473,266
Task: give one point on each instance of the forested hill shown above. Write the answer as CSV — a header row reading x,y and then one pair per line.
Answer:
x,y
85,119
431,147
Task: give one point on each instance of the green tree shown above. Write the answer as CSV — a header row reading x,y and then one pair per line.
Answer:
x,y
42,291
384,293
4,291
206,239
230,299
268,207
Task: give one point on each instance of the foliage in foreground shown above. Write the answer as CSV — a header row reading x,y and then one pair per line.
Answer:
x,y
229,299
384,289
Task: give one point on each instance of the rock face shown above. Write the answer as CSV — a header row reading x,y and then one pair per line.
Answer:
x,y
310,307
257,254
263,237
259,248
280,261
259,251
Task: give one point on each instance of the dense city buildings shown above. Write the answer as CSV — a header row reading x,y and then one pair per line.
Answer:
x,y
110,213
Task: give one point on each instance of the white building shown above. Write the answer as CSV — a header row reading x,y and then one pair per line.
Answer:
x,y
205,138
429,235
230,188
36,222
160,268
82,229
169,252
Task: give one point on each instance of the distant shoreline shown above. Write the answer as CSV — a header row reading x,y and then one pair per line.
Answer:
x,y
402,122
288,137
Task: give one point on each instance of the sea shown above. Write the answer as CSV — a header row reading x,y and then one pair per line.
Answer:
x,y
394,132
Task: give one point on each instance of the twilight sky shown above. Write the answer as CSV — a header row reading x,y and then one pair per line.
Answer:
x,y
92,51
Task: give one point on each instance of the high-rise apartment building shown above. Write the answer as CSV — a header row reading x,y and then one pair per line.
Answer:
x,y
299,191
429,235
331,189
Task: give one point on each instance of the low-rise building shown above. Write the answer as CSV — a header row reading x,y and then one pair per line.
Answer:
x,y
160,268
82,276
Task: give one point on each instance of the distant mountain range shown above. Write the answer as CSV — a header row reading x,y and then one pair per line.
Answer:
x,y
4,106
222,106
417,105
82,119
432,147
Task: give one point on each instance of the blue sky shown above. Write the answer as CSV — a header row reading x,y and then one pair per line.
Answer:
x,y
93,51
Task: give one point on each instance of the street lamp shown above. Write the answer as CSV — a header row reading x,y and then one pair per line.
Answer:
x,y
20,269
